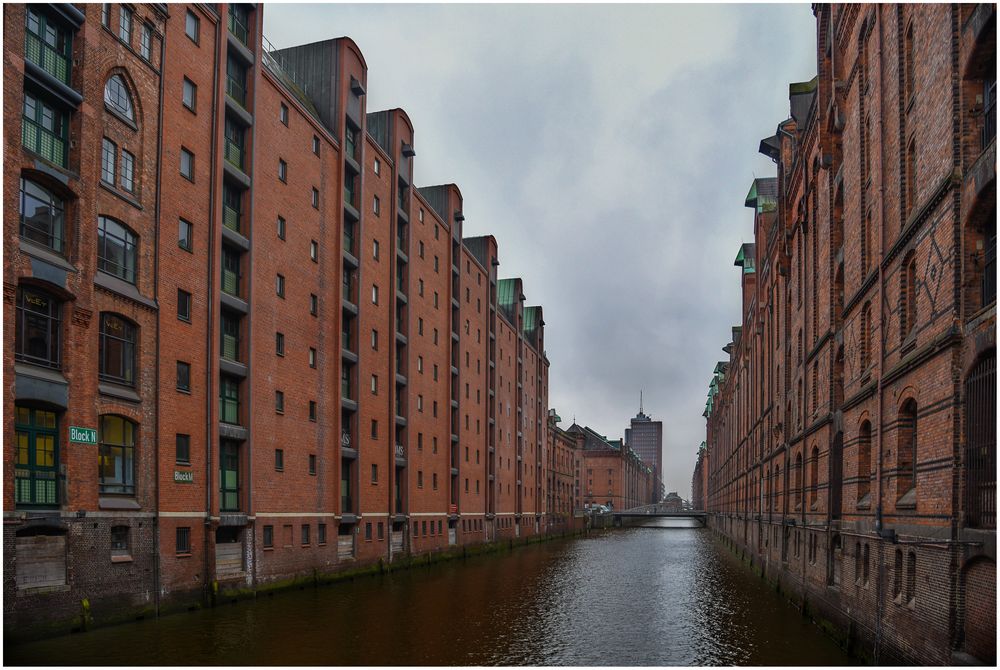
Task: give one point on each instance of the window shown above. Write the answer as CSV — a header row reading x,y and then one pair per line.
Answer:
x,y
146,41
312,463
436,263
315,198
374,295
420,215
312,357
374,473
312,411
897,576
374,340
268,537
192,26
279,460
315,145
187,164
420,287
185,235
377,167
375,205
283,113
106,14
906,452
321,533
109,160
305,534
911,176
908,81
375,249
183,376
420,479
37,457
420,364
125,24
183,541
279,402
909,290
313,304
865,340
282,170
116,96
182,448
128,171
420,325
229,399
117,350
911,578
279,285
189,94
42,216
368,531
434,481
374,429
44,130
420,403
116,455
116,249
420,248
864,461
281,228
279,344
313,251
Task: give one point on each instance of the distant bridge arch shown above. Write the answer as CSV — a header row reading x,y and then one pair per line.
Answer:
x,y
660,511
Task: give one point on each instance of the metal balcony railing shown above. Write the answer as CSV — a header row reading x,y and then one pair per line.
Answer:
x,y
43,142
46,57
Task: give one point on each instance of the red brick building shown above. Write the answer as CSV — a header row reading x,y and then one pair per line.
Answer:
x,y
226,283
851,445
565,462
611,473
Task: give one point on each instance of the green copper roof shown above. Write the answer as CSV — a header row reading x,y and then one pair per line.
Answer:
x,y
803,86
531,318
507,291
763,195
745,258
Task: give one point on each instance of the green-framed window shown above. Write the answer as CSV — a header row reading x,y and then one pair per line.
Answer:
x,y
229,476
232,199
37,458
231,271
230,336
44,129
48,44
239,22
236,80
234,143
229,400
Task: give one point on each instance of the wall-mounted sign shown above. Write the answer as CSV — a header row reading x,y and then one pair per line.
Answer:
x,y
184,477
83,435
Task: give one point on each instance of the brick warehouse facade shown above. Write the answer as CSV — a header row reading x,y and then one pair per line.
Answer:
x,y
263,266
851,445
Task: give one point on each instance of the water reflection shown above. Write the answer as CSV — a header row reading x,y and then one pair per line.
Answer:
x,y
644,596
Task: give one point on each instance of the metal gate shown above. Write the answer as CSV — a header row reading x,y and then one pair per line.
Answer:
x,y
981,440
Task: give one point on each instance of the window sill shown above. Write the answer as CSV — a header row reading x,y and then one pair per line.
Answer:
x,y
118,391
268,548
121,559
122,288
184,555
43,253
121,117
122,195
117,503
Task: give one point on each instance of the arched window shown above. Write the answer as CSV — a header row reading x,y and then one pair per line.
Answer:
x,y
798,480
117,455
911,577
117,349
981,442
864,461
41,216
37,331
908,83
117,249
813,476
906,451
117,98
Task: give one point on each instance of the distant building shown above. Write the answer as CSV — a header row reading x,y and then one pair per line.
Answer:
x,y
615,475
645,438
673,502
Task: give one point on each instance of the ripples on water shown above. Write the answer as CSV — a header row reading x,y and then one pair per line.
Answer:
x,y
643,596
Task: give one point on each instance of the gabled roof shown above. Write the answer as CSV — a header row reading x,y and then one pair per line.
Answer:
x,y
746,258
763,195
801,96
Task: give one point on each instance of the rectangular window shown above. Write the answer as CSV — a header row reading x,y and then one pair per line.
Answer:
x,y
268,537
283,114
187,164
368,531
183,541
321,533
375,249
279,402
315,199
128,171
374,340
381,531
183,305
312,357
312,464
377,167
109,158
282,170
374,295
189,94
279,286
315,145
182,451
44,130
279,344
374,473
375,205
312,416
305,534
106,14
279,460
374,384
313,304
374,429
434,481
420,479
185,232
125,24
183,376
192,26
314,251
146,41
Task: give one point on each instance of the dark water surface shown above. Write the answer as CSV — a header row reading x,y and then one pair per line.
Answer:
x,y
640,596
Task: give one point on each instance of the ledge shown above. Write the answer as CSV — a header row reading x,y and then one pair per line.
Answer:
x,y
118,391
123,288
118,503
46,255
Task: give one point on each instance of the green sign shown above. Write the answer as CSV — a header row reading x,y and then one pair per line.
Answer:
x,y
82,435
186,477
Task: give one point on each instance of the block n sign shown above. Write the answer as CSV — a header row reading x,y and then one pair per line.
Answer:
x,y
82,435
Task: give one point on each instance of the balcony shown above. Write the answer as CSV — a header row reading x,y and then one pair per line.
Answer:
x,y
43,142
234,153
989,129
239,23
47,57
400,455
229,406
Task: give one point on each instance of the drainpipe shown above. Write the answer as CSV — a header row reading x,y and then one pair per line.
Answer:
x,y
881,358
156,293
214,162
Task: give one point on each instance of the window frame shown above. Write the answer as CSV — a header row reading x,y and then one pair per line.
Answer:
x,y
129,244
127,345
123,482
117,98
55,224
191,19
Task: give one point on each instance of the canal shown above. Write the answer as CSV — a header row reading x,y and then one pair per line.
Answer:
x,y
638,596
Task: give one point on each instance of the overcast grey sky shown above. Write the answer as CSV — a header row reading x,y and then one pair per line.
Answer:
x,y
609,149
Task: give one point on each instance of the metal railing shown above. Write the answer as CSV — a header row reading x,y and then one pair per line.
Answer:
x,y
43,142
981,450
989,131
234,154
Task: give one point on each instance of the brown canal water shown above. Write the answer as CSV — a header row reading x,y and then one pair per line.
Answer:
x,y
637,596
